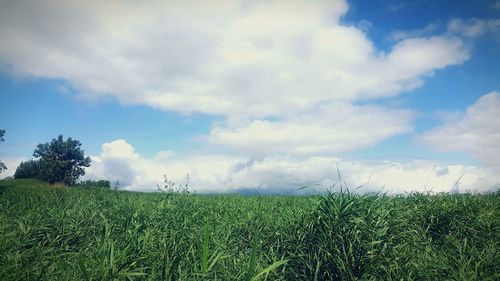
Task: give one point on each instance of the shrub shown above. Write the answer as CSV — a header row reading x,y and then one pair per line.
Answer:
x,y
93,183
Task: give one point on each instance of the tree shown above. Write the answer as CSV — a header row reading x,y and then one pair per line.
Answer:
x,y
30,169
62,161
2,165
58,161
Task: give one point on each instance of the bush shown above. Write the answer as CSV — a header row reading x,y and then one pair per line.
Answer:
x,y
93,183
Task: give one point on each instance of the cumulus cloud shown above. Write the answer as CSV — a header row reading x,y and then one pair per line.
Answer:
x,y
281,174
249,62
476,131
233,58
329,129
118,161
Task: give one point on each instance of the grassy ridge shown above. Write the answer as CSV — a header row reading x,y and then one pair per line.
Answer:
x,y
95,234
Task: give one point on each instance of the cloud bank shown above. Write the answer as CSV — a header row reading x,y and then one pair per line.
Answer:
x,y
281,174
293,83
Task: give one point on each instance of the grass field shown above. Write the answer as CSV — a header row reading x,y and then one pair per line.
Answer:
x,y
51,233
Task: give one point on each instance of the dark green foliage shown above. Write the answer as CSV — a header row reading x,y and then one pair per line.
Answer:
x,y
419,237
30,169
344,236
63,160
99,234
93,183
2,165
60,161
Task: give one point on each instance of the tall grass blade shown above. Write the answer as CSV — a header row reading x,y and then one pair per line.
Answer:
x,y
253,255
268,269
204,254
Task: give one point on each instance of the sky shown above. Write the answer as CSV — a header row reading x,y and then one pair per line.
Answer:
x,y
267,96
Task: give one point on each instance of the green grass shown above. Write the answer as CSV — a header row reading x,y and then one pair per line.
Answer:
x,y
95,234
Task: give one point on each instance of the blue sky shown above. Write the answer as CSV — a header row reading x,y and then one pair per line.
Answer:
x,y
263,94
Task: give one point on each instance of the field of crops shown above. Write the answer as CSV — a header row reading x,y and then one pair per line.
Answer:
x,y
49,233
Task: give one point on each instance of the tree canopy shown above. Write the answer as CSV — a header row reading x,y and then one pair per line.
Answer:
x,y
28,170
56,161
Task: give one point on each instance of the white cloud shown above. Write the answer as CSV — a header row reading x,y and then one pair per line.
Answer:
x,y
281,174
404,34
473,27
119,161
476,132
466,28
256,59
246,61
364,25
286,174
330,129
